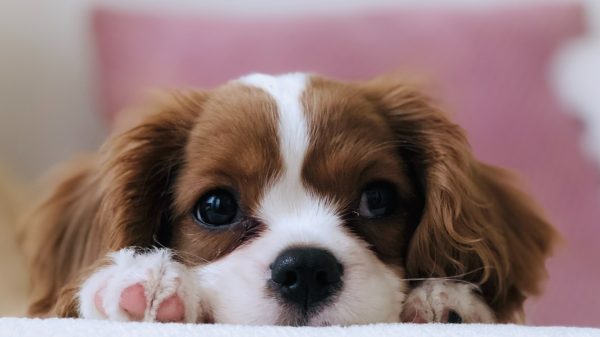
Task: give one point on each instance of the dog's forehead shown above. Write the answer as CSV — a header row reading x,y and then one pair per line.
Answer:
x,y
257,127
310,109
328,132
292,130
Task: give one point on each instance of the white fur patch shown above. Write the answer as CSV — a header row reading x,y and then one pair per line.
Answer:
x,y
286,90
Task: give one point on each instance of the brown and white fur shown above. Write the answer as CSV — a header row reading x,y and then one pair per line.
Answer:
x,y
116,240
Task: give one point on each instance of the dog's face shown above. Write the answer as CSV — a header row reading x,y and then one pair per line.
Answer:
x,y
294,191
299,200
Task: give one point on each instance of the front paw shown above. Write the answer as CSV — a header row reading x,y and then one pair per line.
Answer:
x,y
147,286
445,301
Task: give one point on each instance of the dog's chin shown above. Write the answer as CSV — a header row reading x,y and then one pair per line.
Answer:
x,y
297,317
346,308
330,314
324,316
335,312
293,315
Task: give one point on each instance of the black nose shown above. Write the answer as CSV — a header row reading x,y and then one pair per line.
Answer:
x,y
306,276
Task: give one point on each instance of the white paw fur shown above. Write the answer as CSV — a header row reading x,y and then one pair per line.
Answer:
x,y
155,269
433,299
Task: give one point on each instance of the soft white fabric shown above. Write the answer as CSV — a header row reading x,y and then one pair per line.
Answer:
x,y
22,327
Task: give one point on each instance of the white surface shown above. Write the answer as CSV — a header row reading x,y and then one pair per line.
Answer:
x,y
47,102
11,327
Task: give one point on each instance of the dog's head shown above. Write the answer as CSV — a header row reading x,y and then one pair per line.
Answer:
x,y
310,201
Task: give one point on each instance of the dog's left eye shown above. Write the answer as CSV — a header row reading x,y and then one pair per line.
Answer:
x,y
216,208
377,200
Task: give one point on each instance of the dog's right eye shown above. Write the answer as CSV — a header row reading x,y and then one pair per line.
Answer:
x,y
216,208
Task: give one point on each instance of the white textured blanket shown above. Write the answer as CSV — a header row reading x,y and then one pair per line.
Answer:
x,y
21,327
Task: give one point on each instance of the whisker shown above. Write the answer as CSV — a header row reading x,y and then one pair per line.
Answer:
x,y
451,278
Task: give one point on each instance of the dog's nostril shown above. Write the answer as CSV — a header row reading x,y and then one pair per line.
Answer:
x,y
290,278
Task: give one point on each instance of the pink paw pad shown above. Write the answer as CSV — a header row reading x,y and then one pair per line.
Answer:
x,y
171,310
133,301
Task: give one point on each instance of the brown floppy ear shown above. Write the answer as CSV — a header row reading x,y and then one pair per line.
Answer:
x,y
140,167
475,222
118,197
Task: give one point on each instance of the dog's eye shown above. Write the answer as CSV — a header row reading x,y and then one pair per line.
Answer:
x,y
216,208
377,200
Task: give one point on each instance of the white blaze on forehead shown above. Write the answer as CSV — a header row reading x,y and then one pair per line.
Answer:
x,y
286,91
288,203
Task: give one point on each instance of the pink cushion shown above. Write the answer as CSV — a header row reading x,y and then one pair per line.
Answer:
x,y
492,68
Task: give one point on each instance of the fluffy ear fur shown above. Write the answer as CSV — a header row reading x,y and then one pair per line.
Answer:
x,y
475,223
102,201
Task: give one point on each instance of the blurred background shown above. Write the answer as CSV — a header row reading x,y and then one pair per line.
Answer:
x,y
522,77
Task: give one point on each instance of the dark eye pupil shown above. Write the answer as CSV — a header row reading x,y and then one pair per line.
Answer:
x,y
377,200
216,208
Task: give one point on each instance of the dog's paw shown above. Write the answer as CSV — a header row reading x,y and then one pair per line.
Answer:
x,y
148,286
445,301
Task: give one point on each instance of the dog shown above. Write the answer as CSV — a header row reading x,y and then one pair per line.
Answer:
x,y
287,200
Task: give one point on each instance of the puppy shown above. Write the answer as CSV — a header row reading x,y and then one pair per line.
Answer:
x,y
291,200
